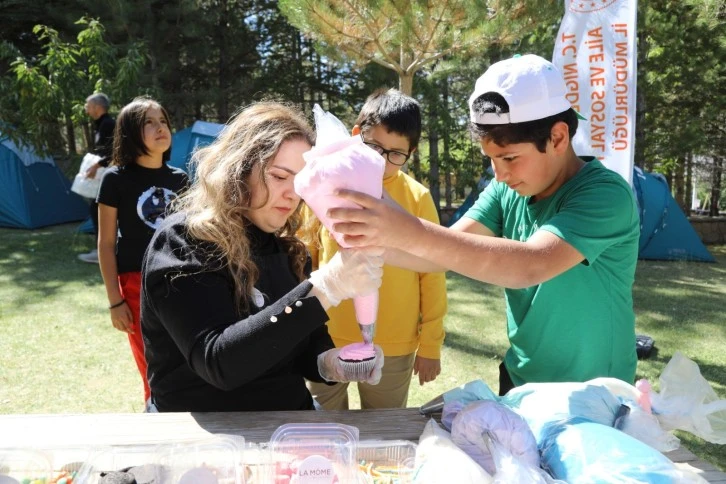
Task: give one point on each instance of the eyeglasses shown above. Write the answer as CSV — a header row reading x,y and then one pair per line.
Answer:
x,y
394,157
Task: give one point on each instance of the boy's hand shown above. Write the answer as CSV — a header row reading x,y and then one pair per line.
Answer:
x,y
427,369
380,223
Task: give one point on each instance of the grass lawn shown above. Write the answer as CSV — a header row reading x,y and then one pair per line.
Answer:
x,y
61,354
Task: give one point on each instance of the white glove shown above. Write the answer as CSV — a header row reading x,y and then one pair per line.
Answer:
x,y
332,368
350,273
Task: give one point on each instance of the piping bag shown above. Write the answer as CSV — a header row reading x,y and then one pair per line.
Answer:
x,y
339,160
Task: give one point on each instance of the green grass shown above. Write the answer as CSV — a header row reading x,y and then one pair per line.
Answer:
x,y
60,353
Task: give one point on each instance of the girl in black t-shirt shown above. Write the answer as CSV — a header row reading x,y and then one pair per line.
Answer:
x,y
132,203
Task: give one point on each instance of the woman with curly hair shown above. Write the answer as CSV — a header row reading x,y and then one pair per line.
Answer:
x,y
232,319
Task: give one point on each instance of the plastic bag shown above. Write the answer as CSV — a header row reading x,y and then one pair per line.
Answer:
x,y
543,403
687,402
328,129
479,419
577,450
510,469
438,460
88,187
639,423
646,428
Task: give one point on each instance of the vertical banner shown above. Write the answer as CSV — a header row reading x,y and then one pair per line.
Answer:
x,y
596,52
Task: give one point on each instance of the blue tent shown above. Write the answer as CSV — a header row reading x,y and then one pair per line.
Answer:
x,y
185,141
665,232
33,191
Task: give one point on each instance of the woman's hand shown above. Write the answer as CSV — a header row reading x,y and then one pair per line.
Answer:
x,y
350,273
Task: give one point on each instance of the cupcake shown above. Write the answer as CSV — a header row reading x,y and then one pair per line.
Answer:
x,y
357,361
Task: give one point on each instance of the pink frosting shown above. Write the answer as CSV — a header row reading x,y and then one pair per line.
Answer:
x,y
346,164
357,352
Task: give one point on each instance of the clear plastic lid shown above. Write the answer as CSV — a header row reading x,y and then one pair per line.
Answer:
x,y
217,460
65,461
24,465
322,453
141,458
384,461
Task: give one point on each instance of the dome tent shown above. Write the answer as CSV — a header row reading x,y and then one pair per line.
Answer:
x,y
665,232
33,191
185,141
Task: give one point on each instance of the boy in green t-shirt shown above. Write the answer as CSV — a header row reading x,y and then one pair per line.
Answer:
x,y
560,234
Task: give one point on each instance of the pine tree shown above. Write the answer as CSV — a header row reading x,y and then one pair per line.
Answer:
x,y
407,35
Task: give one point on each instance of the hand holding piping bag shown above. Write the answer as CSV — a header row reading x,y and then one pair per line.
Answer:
x,y
339,160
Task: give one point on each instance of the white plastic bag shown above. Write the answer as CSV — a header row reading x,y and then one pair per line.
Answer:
x,y
510,468
639,423
687,402
88,187
438,460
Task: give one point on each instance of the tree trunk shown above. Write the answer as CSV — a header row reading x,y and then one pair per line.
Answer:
x,y
415,166
296,58
678,182
434,159
689,184
640,93
405,84
447,156
70,135
223,77
88,136
716,178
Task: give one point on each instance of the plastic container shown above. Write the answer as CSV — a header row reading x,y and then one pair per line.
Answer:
x,y
257,463
382,461
20,465
322,453
119,458
66,462
217,460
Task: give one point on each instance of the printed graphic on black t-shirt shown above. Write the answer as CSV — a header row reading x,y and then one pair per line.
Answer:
x,y
141,197
152,204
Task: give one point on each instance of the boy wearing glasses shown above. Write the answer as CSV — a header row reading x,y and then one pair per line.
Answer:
x,y
412,305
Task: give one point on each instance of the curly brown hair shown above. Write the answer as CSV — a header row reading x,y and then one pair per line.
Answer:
x,y
219,198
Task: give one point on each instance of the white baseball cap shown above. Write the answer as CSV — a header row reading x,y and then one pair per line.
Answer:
x,y
532,86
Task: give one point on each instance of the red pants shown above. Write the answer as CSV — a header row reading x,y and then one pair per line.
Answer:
x,y
130,286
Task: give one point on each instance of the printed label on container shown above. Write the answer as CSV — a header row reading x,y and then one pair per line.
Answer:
x,y
316,469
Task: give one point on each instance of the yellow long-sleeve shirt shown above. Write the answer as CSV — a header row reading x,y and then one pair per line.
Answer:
x,y
411,305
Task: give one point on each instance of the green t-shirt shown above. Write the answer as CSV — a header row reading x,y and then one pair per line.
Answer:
x,y
579,325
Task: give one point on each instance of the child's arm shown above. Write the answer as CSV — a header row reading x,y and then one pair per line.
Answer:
x,y
495,260
121,316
